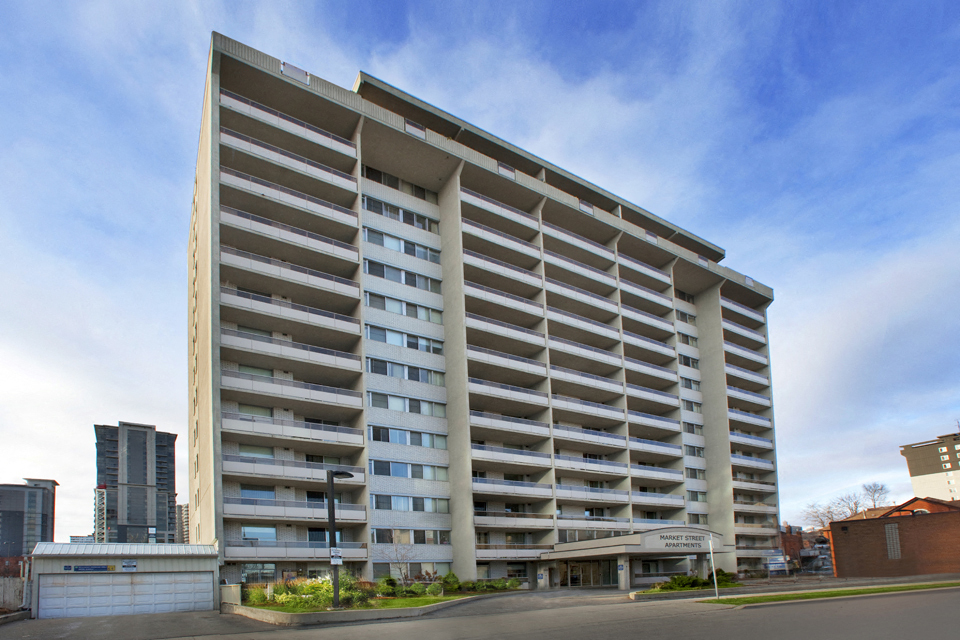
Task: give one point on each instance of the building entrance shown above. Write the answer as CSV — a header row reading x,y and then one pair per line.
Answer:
x,y
588,573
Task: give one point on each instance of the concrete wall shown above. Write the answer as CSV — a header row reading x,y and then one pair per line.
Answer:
x,y
11,593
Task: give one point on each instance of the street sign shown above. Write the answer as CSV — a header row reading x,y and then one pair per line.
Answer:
x,y
336,552
335,560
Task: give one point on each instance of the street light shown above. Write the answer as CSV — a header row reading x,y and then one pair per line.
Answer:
x,y
335,562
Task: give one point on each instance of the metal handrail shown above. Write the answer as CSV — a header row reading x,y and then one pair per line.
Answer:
x,y
502,293
514,546
598,490
637,387
640,414
598,405
605,463
741,369
519,452
505,325
651,366
496,203
497,416
587,347
286,190
748,414
659,343
740,306
288,305
294,544
287,265
737,456
514,514
298,504
288,154
507,387
288,118
647,290
749,393
578,237
645,494
750,480
656,443
508,356
589,376
507,236
580,318
577,263
579,291
288,228
642,313
751,436
246,417
589,432
593,518
641,264
649,467
745,329
511,483
298,464
288,343
671,523
740,347
753,503
290,383
501,263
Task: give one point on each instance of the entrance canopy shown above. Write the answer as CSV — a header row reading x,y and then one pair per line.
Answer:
x,y
671,541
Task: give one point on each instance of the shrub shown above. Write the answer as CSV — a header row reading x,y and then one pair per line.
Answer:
x,y
450,581
468,586
435,589
257,595
500,584
360,597
280,589
418,588
482,586
513,583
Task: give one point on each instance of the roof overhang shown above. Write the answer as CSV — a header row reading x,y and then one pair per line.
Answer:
x,y
672,541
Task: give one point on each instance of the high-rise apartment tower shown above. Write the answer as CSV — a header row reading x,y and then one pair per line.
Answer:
x,y
523,374
27,513
934,467
136,494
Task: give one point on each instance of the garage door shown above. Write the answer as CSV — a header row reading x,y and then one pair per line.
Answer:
x,y
69,595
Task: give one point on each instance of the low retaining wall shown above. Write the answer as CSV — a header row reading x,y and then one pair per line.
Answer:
x,y
338,617
13,617
11,593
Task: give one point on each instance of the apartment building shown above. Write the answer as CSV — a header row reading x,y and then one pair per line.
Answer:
x,y
27,513
136,494
510,365
183,524
934,466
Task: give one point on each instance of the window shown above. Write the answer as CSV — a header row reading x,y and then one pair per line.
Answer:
x,y
404,246
683,338
259,532
323,459
687,361
258,573
944,457
956,447
255,451
690,405
412,438
697,518
384,178
408,536
406,503
893,540
397,370
405,470
682,295
942,449
394,305
946,465
253,410
689,383
696,452
408,278
689,318
696,474
261,492
697,496
516,570
255,371
410,341
407,405
695,429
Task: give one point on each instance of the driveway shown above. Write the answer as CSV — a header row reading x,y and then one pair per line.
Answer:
x,y
152,626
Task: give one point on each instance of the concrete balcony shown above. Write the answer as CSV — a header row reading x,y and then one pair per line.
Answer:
x,y
505,330
291,429
503,240
659,399
512,488
263,113
313,472
745,374
511,551
743,355
506,361
574,463
593,522
744,333
648,524
656,301
259,508
751,551
748,418
753,507
574,240
648,319
245,302
589,436
497,422
656,448
759,486
511,214
512,520
592,494
753,400
288,197
283,158
590,276
744,529
502,269
648,472
519,398
585,351
265,350
649,344
648,499
644,269
743,310
274,551
502,299
294,274
587,408
751,441
246,383
587,380
750,462
652,421
651,370
504,459
289,235
581,323
580,297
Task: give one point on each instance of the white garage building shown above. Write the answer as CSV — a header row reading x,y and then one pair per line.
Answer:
x,y
77,580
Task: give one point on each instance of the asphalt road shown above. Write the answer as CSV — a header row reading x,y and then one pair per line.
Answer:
x,y
561,617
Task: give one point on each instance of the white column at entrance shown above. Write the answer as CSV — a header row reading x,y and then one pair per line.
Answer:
x,y
623,571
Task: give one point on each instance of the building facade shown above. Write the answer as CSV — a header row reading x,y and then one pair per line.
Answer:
x,y
136,496
934,466
183,524
27,514
503,356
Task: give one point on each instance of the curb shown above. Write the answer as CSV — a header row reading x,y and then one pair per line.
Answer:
x,y
14,617
807,600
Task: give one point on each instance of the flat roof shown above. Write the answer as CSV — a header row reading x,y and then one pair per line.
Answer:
x,y
101,549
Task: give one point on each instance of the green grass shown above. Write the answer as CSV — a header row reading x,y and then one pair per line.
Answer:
x,y
815,595
391,603
729,585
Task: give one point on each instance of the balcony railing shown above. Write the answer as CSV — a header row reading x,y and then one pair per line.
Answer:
x,y
639,265
570,289
511,483
585,347
671,423
505,325
656,443
291,119
578,318
650,341
515,546
748,372
506,236
656,469
588,376
748,436
288,305
498,292
666,523
287,265
289,343
331,428
587,403
508,387
508,356
576,264
590,433
294,544
751,481
292,156
516,452
594,490
579,238
285,227
748,415
647,365
649,495
662,394
349,393
290,192
294,464
497,416
293,504
740,328
501,263
592,518
591,461
644,314
512,514
753,313
760,462
667,300
759,396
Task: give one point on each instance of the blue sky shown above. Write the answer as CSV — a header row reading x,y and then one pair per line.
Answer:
x,y
817,142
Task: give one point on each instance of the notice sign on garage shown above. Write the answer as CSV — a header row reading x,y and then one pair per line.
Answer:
x,y
128,565
95,567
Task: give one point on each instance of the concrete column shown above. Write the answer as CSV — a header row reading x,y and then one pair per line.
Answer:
x,y
623,571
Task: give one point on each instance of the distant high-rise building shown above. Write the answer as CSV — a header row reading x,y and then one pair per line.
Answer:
x,y
81,539
136,493
934,467
183,524
26,516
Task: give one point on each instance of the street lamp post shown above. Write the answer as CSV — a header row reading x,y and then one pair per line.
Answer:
x,y
335,562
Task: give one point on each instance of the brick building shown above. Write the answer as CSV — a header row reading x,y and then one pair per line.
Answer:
x,y
918,537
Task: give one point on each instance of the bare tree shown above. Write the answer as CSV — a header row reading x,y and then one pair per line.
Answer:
x,y
876,494
821,514
399,555
849,505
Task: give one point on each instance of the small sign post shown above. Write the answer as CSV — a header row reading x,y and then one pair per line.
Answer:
x,y
716,589
336,556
